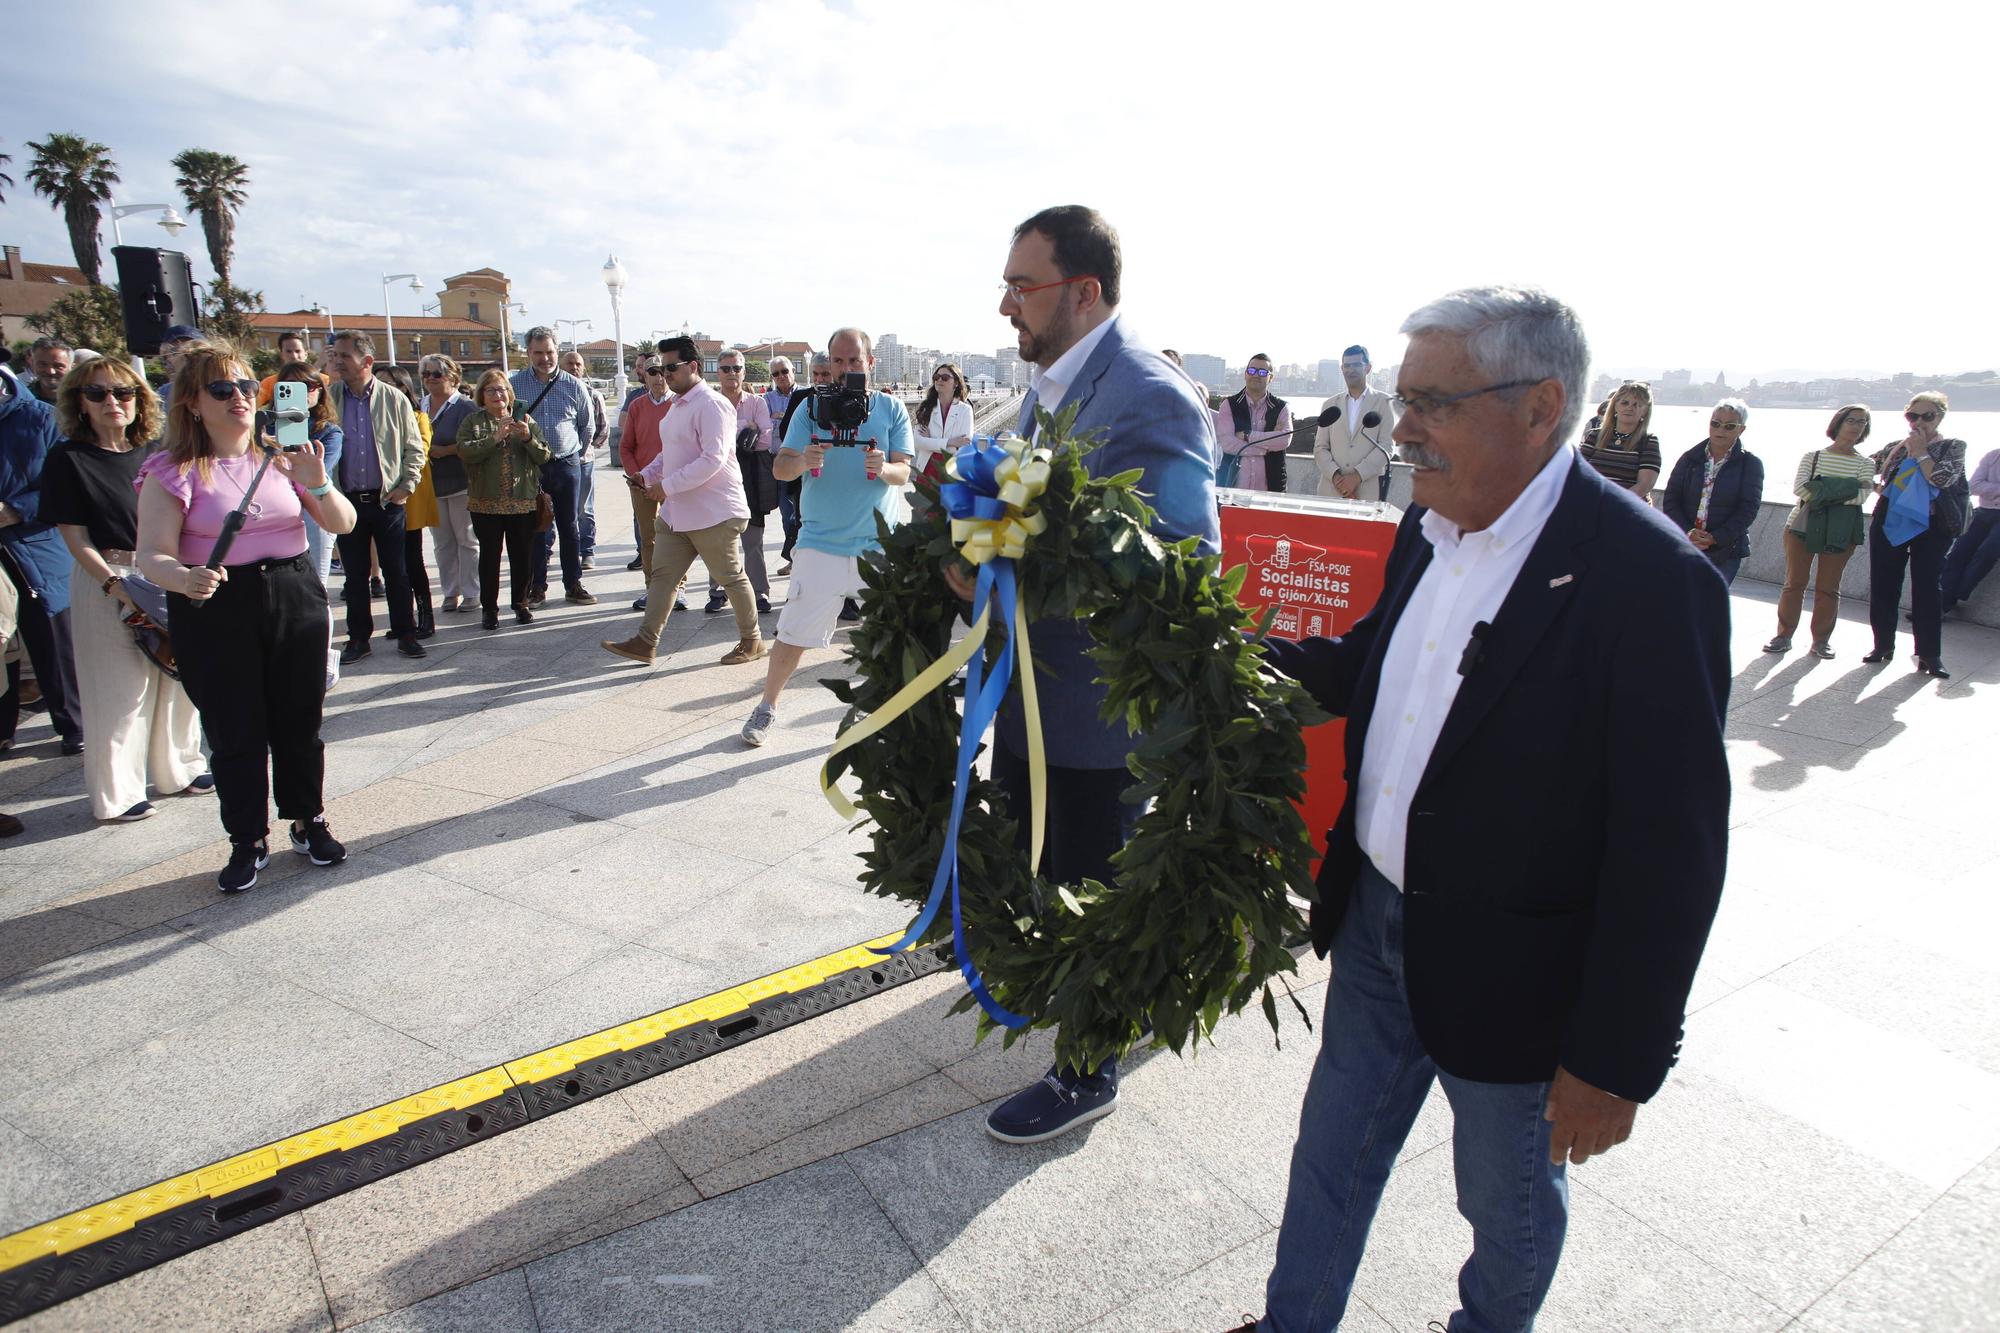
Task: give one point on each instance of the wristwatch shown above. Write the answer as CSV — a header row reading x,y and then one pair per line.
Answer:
x,y
105,587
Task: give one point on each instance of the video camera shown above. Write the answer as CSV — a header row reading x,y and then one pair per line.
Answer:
x,y
841,408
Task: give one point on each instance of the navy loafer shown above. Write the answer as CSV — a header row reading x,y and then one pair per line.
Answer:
x,y
1059,1103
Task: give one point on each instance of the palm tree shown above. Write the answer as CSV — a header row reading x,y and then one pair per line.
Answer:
x,y
76,175
5,179
212,183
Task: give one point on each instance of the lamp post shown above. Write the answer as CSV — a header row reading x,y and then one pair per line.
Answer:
x,y
770,355
574,325
388,316
319,309
614,282
507,333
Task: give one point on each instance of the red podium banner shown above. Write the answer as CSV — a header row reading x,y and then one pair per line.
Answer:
x,y
1319,561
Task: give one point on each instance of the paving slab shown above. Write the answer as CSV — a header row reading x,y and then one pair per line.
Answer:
x,y
32,1174
610,989
633,884
492,1205
773,920
807,1251
498,1304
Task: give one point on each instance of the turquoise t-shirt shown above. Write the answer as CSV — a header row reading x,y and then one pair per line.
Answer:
x,y
837,508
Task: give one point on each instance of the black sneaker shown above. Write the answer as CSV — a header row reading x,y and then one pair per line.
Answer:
x,y
409,647
355,650
763,605
313,840
716,601
1062,1101
633,563
850,609
245,860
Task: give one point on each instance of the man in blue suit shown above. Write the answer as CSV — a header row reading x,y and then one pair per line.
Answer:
x,y
33,557
1061,295
1522,880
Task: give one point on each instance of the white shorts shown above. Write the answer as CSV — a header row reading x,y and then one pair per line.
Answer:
x,y
820,582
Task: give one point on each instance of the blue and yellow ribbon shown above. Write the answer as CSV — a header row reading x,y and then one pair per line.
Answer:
x,y
990,493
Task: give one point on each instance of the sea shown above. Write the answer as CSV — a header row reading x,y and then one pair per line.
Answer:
x,y
1781,436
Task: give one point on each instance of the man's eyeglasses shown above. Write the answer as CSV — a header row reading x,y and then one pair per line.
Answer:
x,y
1256,373
223,390
1014,291
1716,423
729,370
1434,405
97,393
1915,417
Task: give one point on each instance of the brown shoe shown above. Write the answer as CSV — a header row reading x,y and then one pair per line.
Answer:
x,y
9,826
635,648
748,650
578,595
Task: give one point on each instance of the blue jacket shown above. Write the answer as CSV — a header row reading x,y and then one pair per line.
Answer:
x,y
1732,505
1568,836
1150,418
27,433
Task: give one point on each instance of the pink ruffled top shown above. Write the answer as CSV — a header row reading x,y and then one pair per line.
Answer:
x,y
274,529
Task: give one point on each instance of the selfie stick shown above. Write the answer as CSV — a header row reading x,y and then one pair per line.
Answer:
x,y
233,523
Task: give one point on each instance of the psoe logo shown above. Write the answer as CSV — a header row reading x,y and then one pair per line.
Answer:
x,y
1282,552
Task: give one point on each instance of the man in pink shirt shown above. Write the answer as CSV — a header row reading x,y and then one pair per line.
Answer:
x,y
1254,426
699,487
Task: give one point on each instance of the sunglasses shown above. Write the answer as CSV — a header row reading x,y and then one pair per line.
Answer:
x,y
433,374
729,370
1713,424
672,366
1920,416
97,393
1255,373
223,390
651,369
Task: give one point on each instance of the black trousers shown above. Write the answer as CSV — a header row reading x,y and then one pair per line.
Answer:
x,y
46,637
1087,822
382,525
517,532
253,659
413,566
1923,554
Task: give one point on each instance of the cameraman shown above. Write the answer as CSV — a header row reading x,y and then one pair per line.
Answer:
x,y
844,487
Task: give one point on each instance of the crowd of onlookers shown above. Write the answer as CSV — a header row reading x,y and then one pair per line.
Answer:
x,y
102,599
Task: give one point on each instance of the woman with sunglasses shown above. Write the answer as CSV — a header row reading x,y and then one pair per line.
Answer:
x,y
1941,462
942,425
503,475
457,551
251,636
140,721
1823,529
324,426
1716,490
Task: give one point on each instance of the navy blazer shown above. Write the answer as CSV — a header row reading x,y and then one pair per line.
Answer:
x,y
1567,839
1149,416
34,548
1732,506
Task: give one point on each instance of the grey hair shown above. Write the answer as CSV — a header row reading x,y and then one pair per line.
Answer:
x,y
540,331
778,363
1736,405
49,343
1515,333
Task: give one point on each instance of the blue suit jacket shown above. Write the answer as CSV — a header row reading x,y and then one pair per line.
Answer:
x,y
1567,839
27,433
1149,417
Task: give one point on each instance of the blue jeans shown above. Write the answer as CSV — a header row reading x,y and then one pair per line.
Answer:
x,y
1972,556
1726,565
561,478
1367,1086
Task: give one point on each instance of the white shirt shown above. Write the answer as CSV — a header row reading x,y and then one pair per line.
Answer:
x,y
1052,383
944,426
1353,413
1469,576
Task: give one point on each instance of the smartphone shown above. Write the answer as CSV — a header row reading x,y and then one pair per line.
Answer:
x,y
520,411
288,405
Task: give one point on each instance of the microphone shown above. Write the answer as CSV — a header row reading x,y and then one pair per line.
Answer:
x,y
1475,648
1326,418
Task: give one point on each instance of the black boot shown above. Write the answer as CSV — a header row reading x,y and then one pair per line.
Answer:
x,y
426,622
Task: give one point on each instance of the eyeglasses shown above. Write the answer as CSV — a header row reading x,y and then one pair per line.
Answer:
x,y
1433,405
97,393
729,370
1014,291
1716,424
223,390
1914,417
433,374
1255,373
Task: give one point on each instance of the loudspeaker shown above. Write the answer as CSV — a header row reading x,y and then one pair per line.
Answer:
x,y
154,290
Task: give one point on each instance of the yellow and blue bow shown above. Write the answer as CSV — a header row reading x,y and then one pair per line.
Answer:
x,y
990,495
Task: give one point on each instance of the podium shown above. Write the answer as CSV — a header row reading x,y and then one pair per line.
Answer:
x,y
1319,560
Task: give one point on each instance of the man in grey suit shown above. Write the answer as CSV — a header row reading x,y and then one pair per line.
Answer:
x,y
1061,295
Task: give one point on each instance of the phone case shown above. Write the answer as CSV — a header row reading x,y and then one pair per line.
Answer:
x,y
294,418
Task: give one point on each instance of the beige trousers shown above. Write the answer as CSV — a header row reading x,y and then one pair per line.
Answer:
x,y
720,549
138,720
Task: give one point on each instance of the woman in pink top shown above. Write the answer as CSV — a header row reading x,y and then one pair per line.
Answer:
x,y
250,637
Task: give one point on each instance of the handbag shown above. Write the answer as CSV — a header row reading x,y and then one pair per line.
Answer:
x,y
149,623
1805,506
545,511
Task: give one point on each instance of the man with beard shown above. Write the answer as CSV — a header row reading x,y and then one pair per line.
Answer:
x,y
1060,292
48,362
1351,451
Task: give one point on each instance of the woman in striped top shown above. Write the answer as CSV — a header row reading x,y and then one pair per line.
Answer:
x,y
1842,460
1621,446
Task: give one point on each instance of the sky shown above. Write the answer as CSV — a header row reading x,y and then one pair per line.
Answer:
x,y
1739,186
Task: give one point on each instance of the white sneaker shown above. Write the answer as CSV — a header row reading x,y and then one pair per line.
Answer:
x,y
761,718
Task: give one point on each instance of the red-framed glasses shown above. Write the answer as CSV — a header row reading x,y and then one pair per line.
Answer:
x,y
1014,291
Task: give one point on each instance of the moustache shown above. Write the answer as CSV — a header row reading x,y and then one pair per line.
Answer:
x,y
1418,456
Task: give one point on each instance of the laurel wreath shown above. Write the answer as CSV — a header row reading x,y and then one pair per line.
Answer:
x,y
1196,923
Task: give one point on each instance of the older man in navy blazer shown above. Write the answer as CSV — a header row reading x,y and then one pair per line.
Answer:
x,y
1061,295
1522,880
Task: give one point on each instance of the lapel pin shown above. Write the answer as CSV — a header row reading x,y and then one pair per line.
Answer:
x,y
1557,583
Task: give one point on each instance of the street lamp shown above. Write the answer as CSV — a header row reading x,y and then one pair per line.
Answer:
x,y
173,221
388,316
614,282
574,325
507,334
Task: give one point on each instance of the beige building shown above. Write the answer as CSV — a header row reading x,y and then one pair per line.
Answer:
x,y
29,289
